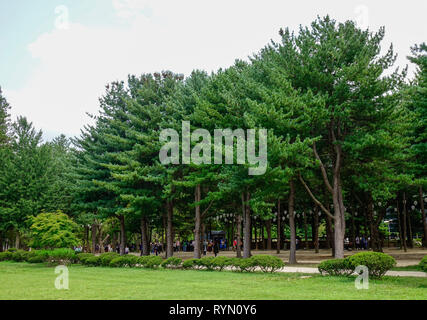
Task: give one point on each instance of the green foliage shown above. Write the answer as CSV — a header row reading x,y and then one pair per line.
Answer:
x,y
244,265
207,262
105,258
172,263
60,256
222,262
53,230
81,257
378,263
190,263
423,264
36,259
92,261
124,261
267,263
336,267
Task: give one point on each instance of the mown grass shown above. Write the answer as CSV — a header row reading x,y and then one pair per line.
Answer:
x,y
36,281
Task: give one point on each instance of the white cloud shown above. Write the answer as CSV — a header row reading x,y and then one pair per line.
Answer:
x,y
75,64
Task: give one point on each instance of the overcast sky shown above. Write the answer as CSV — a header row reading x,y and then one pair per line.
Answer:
x,y
57,56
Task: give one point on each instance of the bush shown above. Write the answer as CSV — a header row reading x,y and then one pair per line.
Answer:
x,y
336,267
423,264
5,256
172,263
61,256
153,261
106,258
207,262
378,263
124,261
12,250
267,263
92,261
222,262
243,265
19,255
190,263
36,259
81,257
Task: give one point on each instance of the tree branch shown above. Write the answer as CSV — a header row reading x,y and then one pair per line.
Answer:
x,y
314,198
322,168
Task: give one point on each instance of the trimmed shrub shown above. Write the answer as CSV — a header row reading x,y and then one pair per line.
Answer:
x,y
61,256
19,255
336,267
81,257
4,256
378,263
105,258
423,264
153,261
92,261
267,263
244,264
172,263
190,263
124,261
36,259
222,262
207,262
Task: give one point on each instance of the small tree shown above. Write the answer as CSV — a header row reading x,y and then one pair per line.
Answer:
x,y
53,230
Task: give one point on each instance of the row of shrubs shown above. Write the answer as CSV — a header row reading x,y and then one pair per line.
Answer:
x,y
265,263
56,256
377,263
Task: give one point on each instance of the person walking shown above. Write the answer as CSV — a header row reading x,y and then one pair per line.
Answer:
x,y
215,248
205,247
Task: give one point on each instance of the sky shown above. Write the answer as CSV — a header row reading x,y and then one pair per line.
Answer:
x,y
56,56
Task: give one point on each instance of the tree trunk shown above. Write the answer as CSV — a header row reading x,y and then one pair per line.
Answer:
x,y
329,234
353,231
316,229
169,233
305,230
256,235
197,196
144,237
100,240
93,235
247,227
86,239
292,253
17,240
268,227
404,238
423,214
375,237
339,219
410,235
122,235
239,234
399,220
1,241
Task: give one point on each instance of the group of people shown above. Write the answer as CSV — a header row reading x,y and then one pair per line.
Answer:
x,y
362,243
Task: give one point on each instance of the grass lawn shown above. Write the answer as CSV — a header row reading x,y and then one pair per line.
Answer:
x,y
36,281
